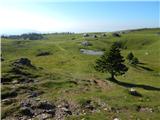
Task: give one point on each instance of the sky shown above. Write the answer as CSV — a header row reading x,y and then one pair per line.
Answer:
x,y
47,16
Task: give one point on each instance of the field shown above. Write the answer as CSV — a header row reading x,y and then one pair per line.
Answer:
x,y
68,75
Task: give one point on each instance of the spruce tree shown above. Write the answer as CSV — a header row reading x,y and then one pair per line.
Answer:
x,y
112,62
130,56
135,61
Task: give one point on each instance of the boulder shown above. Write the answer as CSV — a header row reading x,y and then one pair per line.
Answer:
x,y
88,105
94,36
133,92
116,35
26,111
85,35
23,62
46,105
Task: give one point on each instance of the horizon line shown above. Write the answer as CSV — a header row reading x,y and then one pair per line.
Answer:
x,y
6,34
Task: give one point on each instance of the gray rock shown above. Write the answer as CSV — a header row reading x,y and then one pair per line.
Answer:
x,y
88,105
86,43
94,36
46,105
91,52
33,94
43,116
8,101
26,111
85,35
133,92
144,109
15,82
66,110
23,61
116,35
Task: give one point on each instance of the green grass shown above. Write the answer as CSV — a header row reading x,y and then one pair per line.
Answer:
x,y
66,64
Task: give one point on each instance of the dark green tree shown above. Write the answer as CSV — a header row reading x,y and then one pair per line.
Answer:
x,y
130,56
112,62
135,61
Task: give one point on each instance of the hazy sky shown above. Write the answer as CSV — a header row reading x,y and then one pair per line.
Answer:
x,y
19,16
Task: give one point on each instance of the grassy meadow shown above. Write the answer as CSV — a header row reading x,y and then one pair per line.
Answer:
x,y
67,74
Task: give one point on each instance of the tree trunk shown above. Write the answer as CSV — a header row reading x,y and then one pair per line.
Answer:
x,y
112,76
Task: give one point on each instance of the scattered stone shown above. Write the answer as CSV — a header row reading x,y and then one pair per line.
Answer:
x,y
88,105
144,109
66,110
8,101
26,111
15,82
27,103
86,43
44,116
96,111
10,118
45,105
38,99
33,94
37,109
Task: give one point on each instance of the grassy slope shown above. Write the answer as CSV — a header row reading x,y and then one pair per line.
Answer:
x,y
66,64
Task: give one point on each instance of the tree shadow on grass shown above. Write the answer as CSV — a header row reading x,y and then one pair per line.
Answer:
x,y
129,85
145,68
140,66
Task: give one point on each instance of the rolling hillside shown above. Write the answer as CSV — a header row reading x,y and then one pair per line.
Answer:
x,y
60,74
